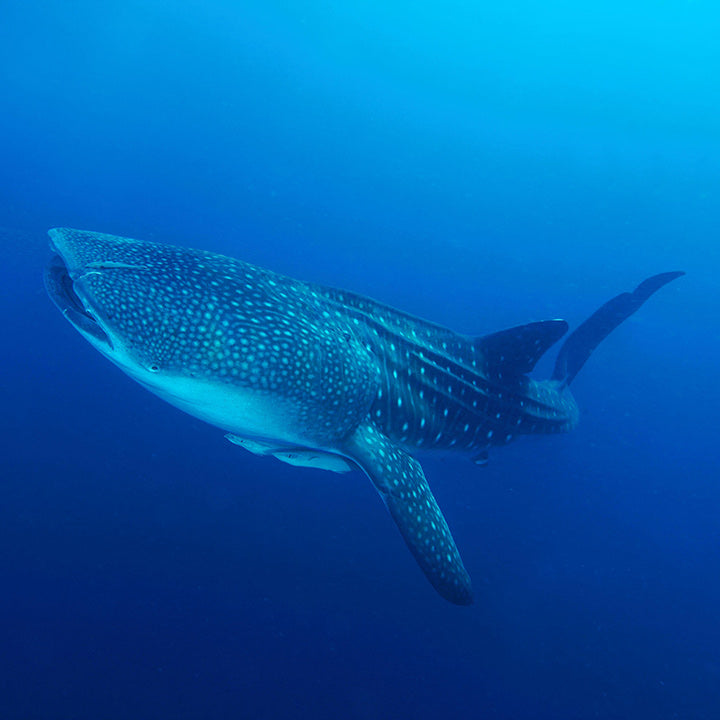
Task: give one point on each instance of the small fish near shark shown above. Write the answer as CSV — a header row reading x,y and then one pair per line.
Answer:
x,y
320,377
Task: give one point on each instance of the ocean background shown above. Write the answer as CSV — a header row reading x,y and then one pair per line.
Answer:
x,y
478,164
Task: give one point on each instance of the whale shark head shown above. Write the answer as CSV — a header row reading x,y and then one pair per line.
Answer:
x,y
105,286
217,337
147,307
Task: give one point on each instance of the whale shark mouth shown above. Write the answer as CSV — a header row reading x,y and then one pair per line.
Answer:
x,y
61,288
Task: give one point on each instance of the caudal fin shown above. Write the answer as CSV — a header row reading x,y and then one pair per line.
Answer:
x,y
582,341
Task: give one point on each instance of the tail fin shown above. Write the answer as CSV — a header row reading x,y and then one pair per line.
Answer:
x,y
580,344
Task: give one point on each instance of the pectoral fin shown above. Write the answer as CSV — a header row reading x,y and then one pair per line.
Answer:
x,y
401,483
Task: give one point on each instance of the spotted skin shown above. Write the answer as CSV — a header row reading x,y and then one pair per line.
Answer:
x,y
401,483
189,313
318,376
441,390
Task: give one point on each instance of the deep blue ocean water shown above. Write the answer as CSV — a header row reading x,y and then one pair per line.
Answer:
x,y
481,165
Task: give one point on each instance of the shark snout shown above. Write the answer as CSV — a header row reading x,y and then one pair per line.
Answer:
x,y
84,251
101,283
61,245
62,287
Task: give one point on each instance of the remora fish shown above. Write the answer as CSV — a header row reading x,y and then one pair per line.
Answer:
x,y
322,377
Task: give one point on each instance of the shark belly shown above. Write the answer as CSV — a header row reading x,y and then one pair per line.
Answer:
x,y
243,412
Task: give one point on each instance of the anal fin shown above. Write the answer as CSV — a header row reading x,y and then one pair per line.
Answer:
x,y
400,480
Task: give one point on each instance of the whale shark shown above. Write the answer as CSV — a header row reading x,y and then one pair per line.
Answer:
x,y
320,377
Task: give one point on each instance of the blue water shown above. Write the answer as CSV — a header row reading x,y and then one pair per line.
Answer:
x,y
479,165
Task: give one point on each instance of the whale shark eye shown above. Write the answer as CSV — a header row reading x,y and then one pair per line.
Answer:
x,y
153,368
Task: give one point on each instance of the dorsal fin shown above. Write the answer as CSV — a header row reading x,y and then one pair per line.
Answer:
x,y
512,352
517,350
